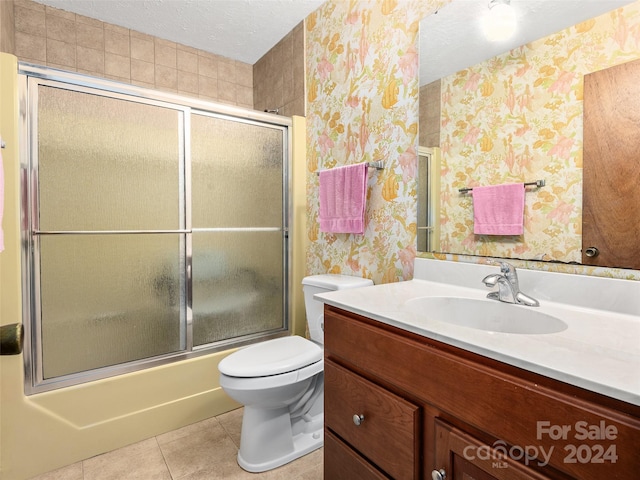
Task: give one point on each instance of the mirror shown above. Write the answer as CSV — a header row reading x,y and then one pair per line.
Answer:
x,y
514,114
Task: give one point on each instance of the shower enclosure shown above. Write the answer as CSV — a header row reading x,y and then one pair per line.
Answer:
x,y
155,227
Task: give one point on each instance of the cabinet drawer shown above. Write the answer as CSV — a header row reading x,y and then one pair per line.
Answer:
x,y
388,432
345,463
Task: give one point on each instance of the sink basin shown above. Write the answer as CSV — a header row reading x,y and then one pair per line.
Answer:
x,y
488,315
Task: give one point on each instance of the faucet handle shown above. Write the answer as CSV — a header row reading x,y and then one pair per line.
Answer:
x,y
506,268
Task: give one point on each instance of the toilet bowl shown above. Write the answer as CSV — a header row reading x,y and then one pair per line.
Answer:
x,y
280,382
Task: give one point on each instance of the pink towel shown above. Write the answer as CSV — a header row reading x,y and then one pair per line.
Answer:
x,y
498,209
343,196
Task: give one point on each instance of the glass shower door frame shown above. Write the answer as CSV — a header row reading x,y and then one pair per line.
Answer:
x,y
30,78
33,307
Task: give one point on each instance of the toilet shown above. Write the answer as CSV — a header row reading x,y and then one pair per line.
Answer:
x,y
280,382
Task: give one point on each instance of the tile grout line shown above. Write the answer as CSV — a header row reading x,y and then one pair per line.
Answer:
x,y
164,459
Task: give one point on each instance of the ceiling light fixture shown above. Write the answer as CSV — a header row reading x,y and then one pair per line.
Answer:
x,y
500,21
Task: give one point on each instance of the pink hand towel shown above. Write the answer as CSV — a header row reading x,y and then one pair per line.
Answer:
x,y
343,196
498,209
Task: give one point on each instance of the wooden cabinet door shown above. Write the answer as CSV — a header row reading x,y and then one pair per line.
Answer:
x,y
463,457
611,170
343,463
387,434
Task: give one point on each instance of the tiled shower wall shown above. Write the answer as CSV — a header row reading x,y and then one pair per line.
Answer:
x,y
429,121
56,38
279,76
6,26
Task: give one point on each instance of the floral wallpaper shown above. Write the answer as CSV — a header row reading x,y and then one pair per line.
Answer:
x,y
518,117
362,90
362,105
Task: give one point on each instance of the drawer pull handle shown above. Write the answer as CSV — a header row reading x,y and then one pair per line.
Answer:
x,y
358,419
438,474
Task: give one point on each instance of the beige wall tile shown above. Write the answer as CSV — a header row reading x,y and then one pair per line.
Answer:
x,y
117,66
90,36
188,49
143,36
244,96
244,74
187,82
288,90
89,21
227,71
90,60
187,61
61,53
30,4
165,53
29,21
166,77
7,27
207,87
207,65
227,91
116,41
142,49
143,84
61,28
117,29
142,71
60,13
52,36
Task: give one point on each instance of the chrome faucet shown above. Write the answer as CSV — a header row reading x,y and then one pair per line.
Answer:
x,y
508,289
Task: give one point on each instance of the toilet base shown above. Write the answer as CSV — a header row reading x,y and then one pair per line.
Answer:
x,y
257,456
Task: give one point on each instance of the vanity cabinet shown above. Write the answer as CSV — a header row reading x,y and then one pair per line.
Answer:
x,y
400,405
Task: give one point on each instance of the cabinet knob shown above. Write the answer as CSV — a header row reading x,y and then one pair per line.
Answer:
x,y
591,252
438,474
358,419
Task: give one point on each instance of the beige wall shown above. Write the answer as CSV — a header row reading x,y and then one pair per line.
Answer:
x,y
278,77
7,37
55,38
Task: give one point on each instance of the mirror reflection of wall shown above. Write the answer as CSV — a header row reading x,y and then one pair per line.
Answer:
x,y
518,117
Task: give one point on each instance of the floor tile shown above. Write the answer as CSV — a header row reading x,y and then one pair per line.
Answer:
x,y
232,423
142,460
297,468
228,469
188,430
206,450
198,451
70,472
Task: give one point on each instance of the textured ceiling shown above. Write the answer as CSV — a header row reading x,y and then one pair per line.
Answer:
x,y
452,39
245,30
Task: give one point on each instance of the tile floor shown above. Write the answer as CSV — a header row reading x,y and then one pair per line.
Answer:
x,y
202,451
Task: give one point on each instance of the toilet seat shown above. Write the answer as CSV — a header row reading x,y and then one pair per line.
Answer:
x,y
273,357
273,381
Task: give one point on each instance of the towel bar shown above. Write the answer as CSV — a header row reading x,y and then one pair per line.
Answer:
x,y
378,165
537,183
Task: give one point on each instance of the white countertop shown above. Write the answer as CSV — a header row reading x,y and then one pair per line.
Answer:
x,y
599,351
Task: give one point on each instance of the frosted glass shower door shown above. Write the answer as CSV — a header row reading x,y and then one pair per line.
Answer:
x,y
109,230
239,257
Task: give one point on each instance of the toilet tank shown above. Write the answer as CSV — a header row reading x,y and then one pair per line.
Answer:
x,y
321,284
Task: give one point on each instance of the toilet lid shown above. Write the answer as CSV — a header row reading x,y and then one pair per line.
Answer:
x,y
272,357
